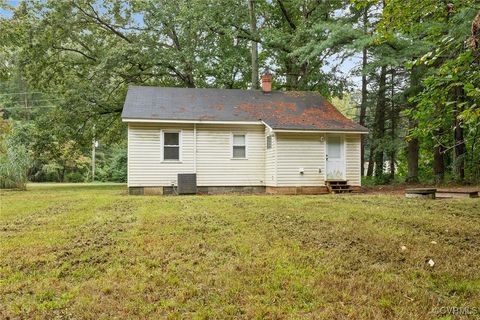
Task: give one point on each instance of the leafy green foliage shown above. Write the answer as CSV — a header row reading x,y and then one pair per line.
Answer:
x,y
112,164
14,160
70,64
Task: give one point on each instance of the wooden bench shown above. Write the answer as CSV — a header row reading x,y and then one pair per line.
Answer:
x,y
456,194
428,193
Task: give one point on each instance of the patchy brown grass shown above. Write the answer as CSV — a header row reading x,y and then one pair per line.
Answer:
x,y
94,253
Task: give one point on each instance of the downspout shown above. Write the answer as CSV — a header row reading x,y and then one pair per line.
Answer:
x,y
194,148
128,155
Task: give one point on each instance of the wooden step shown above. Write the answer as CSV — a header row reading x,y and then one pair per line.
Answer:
x,y
336,182
342,191
338,186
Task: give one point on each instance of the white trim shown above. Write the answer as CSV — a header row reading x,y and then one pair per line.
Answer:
x,y
180,145
344,141
238,133
260,122
266,125
128,155
318,131
194,148
190,121
275,158
324,158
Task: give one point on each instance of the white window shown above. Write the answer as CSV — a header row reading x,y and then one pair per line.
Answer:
x,y
171,146
269,142
239,146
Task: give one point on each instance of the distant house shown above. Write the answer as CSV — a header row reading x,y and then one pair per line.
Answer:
x,y
238,141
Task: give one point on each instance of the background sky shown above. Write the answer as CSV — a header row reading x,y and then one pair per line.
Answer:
x,y
345,68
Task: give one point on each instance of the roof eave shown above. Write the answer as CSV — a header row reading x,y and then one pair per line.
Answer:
x,y
143,120
354,131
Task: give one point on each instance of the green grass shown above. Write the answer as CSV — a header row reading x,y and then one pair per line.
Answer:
x,y
91,251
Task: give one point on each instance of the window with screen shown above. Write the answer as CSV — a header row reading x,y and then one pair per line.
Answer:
x,y
171,146
269,142
334,147
239,146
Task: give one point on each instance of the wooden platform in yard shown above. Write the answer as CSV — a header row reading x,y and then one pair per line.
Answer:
x,y
420,193
443,193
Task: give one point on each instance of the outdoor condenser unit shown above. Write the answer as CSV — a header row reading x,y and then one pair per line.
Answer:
x,y
187,183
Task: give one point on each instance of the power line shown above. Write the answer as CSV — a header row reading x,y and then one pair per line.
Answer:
x,y
31,101
30,107
13,93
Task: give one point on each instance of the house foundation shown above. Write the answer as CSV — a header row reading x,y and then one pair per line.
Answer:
x,y
297,190
150,191
306,190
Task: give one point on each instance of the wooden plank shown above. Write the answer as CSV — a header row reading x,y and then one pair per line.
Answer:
x,y
456,194
421,190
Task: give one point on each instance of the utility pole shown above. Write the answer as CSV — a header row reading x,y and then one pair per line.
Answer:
x,y
25,100
94,145
254,49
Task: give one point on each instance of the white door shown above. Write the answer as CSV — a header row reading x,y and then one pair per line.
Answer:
x,y
335,158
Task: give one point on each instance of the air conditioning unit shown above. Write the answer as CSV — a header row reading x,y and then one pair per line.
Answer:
x,y
187,183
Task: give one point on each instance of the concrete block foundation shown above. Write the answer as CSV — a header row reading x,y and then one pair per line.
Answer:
x,y
306,190
297,190
200,190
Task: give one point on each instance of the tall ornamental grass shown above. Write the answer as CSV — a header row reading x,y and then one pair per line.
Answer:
x,y
14,164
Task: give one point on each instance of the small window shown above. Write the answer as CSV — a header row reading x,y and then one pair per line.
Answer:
x,y
239,146
171,146
269,142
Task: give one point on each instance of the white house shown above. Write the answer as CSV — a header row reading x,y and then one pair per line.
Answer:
x,y
238,140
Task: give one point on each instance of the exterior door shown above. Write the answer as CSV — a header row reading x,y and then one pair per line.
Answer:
x,y
335,158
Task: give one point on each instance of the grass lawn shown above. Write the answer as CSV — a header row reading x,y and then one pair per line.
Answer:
x,y
93,252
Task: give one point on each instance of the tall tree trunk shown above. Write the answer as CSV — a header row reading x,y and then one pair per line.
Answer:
x,y
393,116
371,163
439,162
413,148
363,110
292,74
363,105
253,30
379,129
460,148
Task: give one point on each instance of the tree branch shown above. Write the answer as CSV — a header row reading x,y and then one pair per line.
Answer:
x,y
286,15
105,25
75,50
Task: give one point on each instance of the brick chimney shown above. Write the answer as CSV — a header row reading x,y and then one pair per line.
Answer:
x,y
267,82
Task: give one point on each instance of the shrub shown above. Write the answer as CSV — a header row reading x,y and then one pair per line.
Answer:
x,y
119,165
74,177
14,164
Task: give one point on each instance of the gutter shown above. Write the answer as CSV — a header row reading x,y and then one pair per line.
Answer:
x,y
259,122
189,121
194,148
319,131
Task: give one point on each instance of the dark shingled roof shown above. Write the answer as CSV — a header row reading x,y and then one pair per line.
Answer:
x,y
279,109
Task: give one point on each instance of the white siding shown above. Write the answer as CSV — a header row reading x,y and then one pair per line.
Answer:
x,y
270,160
278,166
145,165
300,150
352,147
215,166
